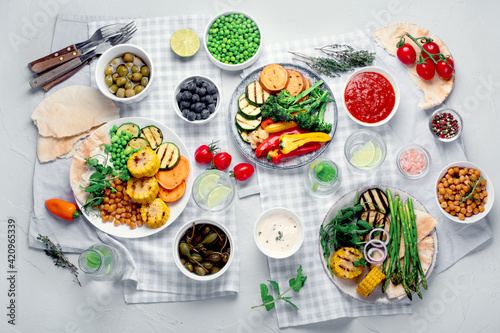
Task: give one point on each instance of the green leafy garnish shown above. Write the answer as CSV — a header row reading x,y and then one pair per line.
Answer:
x,y
268,301
93,260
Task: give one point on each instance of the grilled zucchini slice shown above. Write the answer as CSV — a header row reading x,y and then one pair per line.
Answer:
x,y
129,128
255,94
247,110
153,134
244,136
247,125
138,143
169,155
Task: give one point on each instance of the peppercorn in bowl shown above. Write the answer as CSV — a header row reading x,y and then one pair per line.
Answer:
x,y
233,40
446,125
463,192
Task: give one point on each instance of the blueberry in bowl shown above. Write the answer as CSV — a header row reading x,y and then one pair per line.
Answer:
x,y
197,99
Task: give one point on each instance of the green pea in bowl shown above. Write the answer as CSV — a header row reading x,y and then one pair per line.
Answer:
x,y
233,40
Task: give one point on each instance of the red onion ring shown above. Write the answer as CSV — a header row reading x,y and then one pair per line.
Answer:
x,y
381,249
387,239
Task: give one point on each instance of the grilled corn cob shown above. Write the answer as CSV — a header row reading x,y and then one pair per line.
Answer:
x,y
372,280
155,214
342,263
143,190
144,163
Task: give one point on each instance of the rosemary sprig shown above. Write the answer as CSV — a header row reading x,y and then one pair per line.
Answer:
x,y
55,252
340,58
472,191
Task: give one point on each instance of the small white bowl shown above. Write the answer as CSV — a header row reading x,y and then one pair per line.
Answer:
x,y
292,250
489,188
177,258
232,67
176,104
394,84
113,53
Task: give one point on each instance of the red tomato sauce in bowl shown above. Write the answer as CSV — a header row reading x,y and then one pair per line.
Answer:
x,y
369,97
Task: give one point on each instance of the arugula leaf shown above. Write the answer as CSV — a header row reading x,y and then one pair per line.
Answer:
x,y
297,282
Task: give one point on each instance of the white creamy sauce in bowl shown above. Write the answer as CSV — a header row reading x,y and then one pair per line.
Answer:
x,y
278,233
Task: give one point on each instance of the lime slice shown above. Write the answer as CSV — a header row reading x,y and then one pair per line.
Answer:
x,y
377,158
364,156
185,42
207,184
217,195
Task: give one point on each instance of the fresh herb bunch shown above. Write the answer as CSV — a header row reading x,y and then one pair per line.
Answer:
x,y
311,112
100,180
473,190
344,230
268,301
340,58
56,252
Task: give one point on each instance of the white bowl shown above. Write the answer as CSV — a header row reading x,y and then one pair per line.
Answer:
x,y
394,84
489,188
176,104
292,250
231,67
177,258
111,54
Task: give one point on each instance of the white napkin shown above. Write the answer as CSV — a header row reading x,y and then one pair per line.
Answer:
x,y
320,300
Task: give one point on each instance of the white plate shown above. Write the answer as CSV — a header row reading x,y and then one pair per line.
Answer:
x,y
348,286
176,207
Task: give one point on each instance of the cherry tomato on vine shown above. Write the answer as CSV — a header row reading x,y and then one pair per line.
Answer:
x,y
205,153
243,171
222,161
426,70
406,54
432,48
443,69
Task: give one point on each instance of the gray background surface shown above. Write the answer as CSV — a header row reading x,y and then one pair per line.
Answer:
x,y
464,298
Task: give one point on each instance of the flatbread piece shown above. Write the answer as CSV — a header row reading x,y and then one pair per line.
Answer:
x,y
435,90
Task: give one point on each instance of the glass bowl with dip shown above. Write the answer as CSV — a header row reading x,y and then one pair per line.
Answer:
x,y
278,233
371,96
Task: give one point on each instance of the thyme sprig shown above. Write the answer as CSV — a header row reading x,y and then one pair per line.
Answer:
x,y
473,190
56,252
340,58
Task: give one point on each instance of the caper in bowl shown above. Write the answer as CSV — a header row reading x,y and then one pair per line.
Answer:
x,y
203,249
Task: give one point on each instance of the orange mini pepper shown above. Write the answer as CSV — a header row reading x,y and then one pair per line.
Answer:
x,y
63,209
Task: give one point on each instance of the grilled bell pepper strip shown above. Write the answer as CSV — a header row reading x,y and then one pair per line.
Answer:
x,y
280,127
273,141
277,155
266,122
290,142
63,209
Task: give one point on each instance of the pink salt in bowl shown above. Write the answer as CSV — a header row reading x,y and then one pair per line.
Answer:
x,y
414,161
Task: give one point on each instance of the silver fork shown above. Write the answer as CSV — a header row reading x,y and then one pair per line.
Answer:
x,y
67,70
73,51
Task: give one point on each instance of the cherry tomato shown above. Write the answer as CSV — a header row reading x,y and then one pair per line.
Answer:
x,y
443,69
222,161
432,48
205,153
426,70
406,54
243,171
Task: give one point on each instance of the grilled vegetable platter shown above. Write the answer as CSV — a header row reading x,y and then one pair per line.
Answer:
x,y
379,245
148,165
304,138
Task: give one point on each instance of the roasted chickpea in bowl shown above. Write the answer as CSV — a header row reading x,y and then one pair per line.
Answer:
x,y
464,192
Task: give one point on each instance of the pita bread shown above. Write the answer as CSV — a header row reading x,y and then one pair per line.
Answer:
x,y
72,111
79,170
435,90
425,223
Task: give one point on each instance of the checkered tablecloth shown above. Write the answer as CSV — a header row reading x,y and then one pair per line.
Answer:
x,y
152,275
320,300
